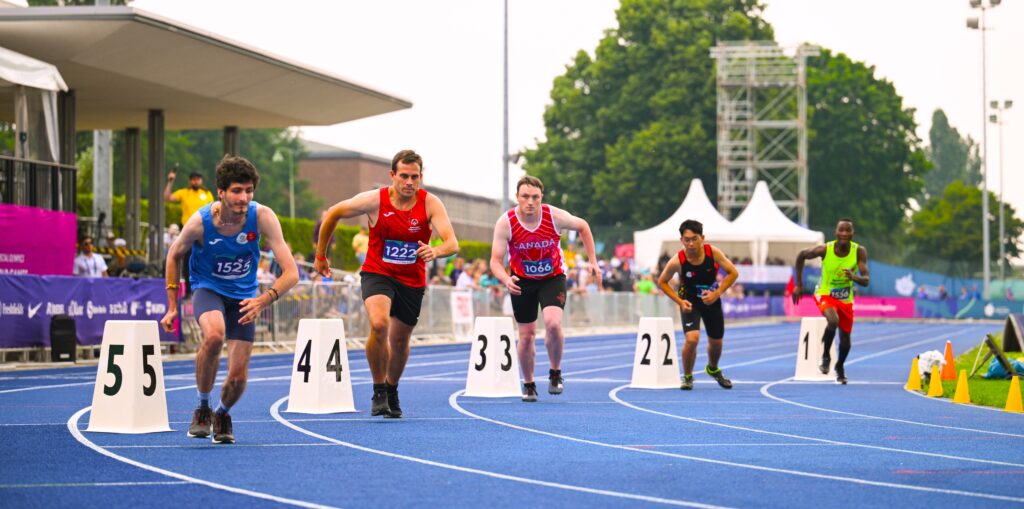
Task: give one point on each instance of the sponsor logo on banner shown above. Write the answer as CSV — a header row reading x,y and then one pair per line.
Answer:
x,y
155,308
33,309
135,307
12,309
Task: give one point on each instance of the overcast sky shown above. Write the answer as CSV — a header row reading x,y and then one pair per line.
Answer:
x,y
446,57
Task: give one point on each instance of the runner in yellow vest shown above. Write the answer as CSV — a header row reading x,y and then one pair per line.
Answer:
x,y
842,259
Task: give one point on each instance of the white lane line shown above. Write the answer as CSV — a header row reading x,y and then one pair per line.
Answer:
x,y
208,445
644,446
950,401
274,411
454,404
91,484
613,394
767,387
73,428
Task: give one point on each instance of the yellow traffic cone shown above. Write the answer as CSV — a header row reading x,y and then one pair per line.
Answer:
x,y
935,385
949,368
1013,403
914,380
963,392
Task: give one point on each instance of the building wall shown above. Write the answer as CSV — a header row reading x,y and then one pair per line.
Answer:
x,y
337,179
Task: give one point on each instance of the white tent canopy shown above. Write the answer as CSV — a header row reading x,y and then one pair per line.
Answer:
x,y
18,69
650,244
777,235
35,85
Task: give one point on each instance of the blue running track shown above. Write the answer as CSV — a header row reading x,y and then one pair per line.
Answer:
x,y
768,442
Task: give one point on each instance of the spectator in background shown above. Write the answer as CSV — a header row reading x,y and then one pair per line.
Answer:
x,y
645,284
304,268
921,294
170,235
89,264
360,244
1009,293
975,294
457,267
191,198
119,264
467,278
963,293
943,295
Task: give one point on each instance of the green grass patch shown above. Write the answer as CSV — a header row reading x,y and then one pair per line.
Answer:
x,y
984,392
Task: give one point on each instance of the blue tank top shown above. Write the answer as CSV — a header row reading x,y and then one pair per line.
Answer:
x,y
227,265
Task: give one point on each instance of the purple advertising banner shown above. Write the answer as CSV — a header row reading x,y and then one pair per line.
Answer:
x,y
36,241
28,302
747,307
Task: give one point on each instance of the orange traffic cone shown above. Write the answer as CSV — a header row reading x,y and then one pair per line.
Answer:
x,y
914,379
935,385
963,392
949,368
1013,403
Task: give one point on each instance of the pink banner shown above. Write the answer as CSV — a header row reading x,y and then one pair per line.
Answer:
x,y
867,307
36,241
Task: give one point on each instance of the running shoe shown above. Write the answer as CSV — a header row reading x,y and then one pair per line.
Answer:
x,y
530,392
840,375
826,361
201,423
555,381
222,432
380,403
719,377
687,384
395,411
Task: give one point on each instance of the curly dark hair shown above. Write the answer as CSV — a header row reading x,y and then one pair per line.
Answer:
x,y
236,170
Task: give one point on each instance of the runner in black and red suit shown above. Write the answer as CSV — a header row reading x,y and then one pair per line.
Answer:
x,y
394,274
698,298
531,234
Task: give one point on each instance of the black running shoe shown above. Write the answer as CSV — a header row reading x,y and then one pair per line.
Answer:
x,y
719,377
380,403
222,431
530,392
555,382
395,411
201,423
687,384
840,375
826,362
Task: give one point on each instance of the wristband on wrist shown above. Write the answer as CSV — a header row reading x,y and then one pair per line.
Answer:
x,y
276,295
321,258
172,286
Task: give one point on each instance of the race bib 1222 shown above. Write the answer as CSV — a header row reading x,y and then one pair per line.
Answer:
x,y
399,252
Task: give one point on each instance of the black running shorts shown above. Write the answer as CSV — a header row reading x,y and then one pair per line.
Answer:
x,y
714,322
405,301
545,292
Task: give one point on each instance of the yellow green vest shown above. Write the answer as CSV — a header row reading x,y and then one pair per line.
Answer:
x,y
833,281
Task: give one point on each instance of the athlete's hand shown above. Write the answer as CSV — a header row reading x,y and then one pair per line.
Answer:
x,y
595,272
686,306
167,322
426,252
322,267
513,288
709,297
797,291
251,308
170,176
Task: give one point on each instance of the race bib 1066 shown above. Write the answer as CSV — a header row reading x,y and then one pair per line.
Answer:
x,y
399,252
537,268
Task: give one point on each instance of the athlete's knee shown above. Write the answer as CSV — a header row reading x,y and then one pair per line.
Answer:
x,y
833,323
213,342
692,340
553,329
379,326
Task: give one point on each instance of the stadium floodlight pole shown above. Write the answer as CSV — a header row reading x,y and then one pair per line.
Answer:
x,y
986,250
504,152
999,118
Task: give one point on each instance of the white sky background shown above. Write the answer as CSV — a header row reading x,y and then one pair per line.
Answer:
x,y
445,56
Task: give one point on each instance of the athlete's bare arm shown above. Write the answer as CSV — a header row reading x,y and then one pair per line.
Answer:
x,y
664,280
864,277
731,274
367,202
437,215
270,229
811,252
566,221
499,248
190,234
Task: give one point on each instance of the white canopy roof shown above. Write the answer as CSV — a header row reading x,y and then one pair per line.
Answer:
x,y
651,243
777,235
18,69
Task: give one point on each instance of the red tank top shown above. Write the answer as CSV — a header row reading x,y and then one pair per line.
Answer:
x,y
535,254
395,238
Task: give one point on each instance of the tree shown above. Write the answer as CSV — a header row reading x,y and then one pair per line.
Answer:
x,y
946,228
864,159
952,156
629,128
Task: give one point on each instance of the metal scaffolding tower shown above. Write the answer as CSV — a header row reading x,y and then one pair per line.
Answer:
x,y
762,124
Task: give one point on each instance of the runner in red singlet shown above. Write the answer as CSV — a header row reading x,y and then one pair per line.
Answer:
x,y
530,233
394,274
